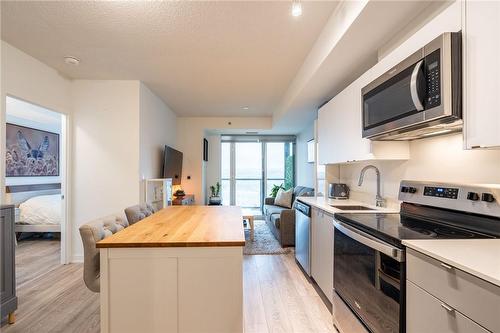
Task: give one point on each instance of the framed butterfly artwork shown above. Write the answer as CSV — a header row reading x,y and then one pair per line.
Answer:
x,y
31,152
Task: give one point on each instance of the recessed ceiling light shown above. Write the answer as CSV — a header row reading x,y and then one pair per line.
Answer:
x,y
245,108
71,61
296,8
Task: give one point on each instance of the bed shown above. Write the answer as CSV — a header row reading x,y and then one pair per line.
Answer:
x,y
38,207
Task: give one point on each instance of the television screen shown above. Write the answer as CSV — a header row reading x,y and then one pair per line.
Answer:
x,y
172,165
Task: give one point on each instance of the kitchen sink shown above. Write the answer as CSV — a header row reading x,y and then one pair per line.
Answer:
x,y
352,207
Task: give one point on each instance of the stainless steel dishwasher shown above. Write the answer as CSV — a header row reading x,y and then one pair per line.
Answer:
x,y
303,235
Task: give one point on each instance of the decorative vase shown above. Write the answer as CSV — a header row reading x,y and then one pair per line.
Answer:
x,y
215,200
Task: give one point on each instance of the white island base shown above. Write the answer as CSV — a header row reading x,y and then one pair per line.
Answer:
x,y
171,289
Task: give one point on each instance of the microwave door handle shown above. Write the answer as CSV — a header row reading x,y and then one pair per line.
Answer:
x,y
370,241
413,86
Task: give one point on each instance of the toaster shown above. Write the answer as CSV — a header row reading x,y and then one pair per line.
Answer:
x,y
338,191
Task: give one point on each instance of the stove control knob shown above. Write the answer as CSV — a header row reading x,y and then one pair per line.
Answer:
x,y
488,197
412,189
404,189
473,196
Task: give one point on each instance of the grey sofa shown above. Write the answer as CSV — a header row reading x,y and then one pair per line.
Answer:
x,y
281,220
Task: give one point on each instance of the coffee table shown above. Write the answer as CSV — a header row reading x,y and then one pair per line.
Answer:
x,y
247,215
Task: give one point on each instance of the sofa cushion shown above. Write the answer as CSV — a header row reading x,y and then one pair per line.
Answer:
x,y
302,191
271,209
284,198
275,219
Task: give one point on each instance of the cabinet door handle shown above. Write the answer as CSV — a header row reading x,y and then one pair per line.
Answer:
x,y
447,307
448,267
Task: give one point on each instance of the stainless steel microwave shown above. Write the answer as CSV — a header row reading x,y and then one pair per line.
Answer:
x,y
419,97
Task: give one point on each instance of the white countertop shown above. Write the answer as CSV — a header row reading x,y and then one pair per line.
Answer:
x,y
325,204
479,257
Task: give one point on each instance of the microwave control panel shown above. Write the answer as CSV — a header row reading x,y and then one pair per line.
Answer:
x,y
433,79
441,192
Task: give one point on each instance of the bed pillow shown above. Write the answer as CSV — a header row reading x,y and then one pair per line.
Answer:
x,y
284,198
43,209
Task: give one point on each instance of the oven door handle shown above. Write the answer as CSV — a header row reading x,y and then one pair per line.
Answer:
x,y
370,241
413,86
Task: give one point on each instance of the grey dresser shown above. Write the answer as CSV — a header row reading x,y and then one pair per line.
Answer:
x,y
8,274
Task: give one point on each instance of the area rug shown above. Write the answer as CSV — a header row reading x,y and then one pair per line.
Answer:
x,y
264,242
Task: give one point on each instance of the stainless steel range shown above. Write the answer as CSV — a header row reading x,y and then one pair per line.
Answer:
x,y
369,259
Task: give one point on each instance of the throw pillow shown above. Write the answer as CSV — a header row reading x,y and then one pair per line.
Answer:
x,y
284,198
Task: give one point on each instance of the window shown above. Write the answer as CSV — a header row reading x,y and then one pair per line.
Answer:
x,y
321,180
249,170
248,174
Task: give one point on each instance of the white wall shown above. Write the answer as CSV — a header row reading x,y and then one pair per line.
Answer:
x,y
158,127
190,134
26,78
106,150
304,171
109,150
433,159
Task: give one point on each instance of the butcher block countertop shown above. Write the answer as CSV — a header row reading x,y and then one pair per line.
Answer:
x,y
183,226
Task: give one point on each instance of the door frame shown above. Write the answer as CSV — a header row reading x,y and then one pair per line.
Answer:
x,y
65,170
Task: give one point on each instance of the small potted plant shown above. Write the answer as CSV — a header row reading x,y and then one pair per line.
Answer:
x,y
215,198
275,189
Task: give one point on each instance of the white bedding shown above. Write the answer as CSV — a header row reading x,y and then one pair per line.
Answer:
x,y
44,209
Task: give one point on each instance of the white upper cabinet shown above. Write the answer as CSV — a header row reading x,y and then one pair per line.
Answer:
x,y
339,132
339,121
481,22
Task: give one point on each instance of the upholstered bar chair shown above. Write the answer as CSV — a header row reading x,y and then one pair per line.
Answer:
x,y
138,212
91,233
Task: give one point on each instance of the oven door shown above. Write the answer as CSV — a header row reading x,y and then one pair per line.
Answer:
x,y
369,275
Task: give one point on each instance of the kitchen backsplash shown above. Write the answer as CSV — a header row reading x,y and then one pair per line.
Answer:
x,y
432,159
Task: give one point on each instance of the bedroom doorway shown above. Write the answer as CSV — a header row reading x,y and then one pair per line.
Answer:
x,y
35,183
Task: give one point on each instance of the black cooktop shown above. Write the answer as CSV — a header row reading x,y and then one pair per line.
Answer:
x,y
393,228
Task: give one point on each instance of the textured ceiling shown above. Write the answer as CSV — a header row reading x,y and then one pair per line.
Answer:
x,y
201,58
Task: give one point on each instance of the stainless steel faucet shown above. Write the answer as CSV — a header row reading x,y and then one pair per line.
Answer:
x,y
379,200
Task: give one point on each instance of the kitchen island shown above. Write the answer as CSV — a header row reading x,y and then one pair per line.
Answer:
x,y
178,270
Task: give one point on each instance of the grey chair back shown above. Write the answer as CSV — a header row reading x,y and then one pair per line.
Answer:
x,y
138,212
91,233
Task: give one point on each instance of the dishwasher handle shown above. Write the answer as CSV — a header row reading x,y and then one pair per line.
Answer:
x,y
303,208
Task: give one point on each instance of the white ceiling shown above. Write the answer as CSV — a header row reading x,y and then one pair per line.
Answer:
x,y
201,58
354,53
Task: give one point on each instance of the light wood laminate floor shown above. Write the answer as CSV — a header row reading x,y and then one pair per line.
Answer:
x,y
53,298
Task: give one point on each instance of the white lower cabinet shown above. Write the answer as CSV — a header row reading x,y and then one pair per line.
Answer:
x,y
426,313
171,289
322,251
441,298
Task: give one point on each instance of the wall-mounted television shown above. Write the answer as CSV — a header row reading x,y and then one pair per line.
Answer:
x,y
172,165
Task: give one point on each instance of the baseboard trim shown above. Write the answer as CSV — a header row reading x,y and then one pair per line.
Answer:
x,y
76,259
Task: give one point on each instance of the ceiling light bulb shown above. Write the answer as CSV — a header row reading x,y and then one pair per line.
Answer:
x,y
71,61
296,8
245,108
